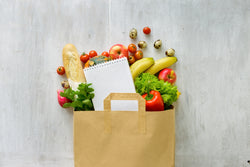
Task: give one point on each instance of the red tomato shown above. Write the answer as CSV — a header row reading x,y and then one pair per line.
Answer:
x,y
105,54
138,55
131,59
146,30
132,48
60,70
92,53
84,57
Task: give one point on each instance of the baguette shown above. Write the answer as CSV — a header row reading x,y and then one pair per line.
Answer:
x,y
72,64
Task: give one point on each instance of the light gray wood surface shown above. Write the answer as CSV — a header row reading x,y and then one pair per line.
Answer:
x,y
212,42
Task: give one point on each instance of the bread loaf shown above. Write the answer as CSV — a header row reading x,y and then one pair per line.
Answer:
x,y
72,64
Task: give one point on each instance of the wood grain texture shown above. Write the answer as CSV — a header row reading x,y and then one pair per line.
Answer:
x,y
211,39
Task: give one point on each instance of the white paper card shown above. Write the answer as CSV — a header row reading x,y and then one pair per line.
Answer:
x,y
128,105
111,77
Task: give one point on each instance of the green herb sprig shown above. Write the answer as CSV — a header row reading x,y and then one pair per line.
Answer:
x,y
81,100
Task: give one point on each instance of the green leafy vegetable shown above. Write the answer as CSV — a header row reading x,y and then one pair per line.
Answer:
x,y
146,82
81,99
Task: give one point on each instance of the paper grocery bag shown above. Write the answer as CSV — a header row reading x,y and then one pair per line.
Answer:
x,y
124,138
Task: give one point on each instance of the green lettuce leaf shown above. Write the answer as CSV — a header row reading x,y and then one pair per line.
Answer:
x,y
146,82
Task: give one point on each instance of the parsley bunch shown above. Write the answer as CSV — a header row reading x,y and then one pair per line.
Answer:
x,y
81,100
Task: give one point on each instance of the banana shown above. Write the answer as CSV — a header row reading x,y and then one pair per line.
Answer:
x,y
160,64
178,94
140,66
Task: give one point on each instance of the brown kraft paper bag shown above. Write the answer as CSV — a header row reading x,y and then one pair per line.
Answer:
x,y
124,138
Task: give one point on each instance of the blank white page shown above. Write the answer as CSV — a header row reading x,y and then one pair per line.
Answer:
x,y
111,77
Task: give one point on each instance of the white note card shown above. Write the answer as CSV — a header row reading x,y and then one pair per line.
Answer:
x,y
111,77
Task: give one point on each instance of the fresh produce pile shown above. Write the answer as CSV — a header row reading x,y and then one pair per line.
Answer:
x,y
153,79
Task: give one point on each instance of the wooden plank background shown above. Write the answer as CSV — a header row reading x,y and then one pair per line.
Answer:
x,y
212,42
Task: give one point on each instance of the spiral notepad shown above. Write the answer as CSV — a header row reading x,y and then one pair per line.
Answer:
x,y
111,77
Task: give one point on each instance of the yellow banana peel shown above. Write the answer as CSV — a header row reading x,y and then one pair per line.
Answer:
x,y
178,94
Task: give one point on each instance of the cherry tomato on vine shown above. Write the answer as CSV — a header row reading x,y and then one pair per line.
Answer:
x,y
146,30
60,70
92,53
105,54
132,48
84,57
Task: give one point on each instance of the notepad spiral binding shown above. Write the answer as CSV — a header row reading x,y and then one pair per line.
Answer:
x,y
104,64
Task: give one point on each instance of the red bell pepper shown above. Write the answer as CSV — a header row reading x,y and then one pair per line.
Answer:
x,y
154,101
